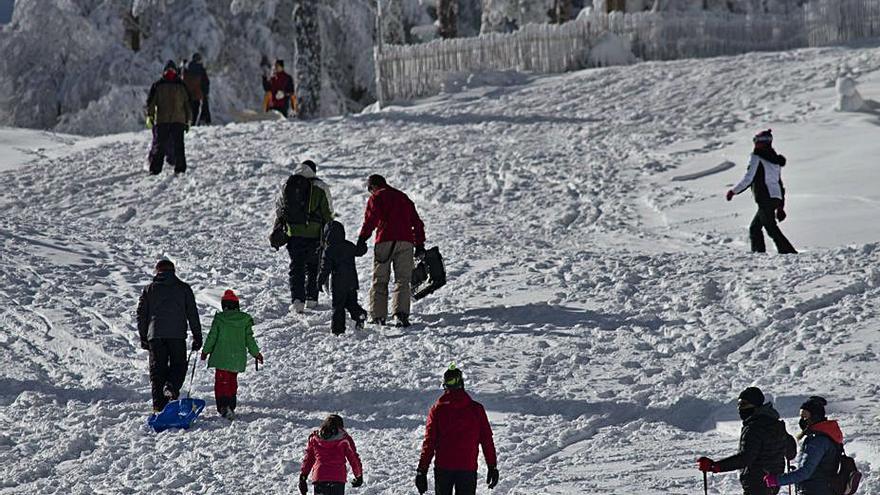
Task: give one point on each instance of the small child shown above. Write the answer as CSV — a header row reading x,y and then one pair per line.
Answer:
x,y
230,339
338,260
326,452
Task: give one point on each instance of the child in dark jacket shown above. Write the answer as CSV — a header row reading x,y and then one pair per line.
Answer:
x,y
338,260
230,340
326,452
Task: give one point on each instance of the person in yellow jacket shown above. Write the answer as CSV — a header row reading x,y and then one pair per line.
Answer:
x,y
230,340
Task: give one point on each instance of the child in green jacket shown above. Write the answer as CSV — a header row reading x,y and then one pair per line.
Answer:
x,y
230,339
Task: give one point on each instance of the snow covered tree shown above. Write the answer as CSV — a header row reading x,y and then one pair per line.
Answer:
x,y
308,58
447,17
393,31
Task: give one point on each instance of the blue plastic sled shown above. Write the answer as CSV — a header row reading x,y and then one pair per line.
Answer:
x,y
177,414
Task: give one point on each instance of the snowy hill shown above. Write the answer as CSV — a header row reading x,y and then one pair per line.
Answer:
x,y
605,314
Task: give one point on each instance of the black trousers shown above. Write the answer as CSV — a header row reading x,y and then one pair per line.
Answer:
x,y
304,254
765,219
201,112
329,488
167,369
167,138
463,482
345,301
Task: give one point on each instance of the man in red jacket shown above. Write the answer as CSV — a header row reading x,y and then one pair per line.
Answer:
x,y
400,235
457,426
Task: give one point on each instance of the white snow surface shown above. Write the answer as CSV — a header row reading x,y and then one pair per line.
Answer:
x,y
605,314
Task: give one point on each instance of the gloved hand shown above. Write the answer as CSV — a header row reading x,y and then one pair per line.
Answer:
x,y
197,344
771,480
706,464
303,485
145,345
422,482
730,195
204,356
362,243
358,482
420,251
186,129
492,477
780,214
259,357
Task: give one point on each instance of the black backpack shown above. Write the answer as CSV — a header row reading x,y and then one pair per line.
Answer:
x,y
848,477
297,196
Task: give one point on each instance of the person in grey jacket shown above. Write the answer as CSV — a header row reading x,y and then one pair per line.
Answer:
x,y
166,308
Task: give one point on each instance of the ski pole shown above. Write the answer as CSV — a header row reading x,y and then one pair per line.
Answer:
x,y
705,483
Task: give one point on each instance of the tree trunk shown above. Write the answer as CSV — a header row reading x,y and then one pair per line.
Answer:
x,y
132,35
393,31
308,59
561,11
447,16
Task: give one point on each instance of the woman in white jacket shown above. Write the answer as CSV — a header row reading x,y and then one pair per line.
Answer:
x,y
764,176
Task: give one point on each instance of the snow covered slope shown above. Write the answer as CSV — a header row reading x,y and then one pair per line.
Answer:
x,y
606,315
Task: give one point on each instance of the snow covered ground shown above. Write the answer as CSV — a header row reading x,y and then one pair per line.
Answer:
x,y
606,314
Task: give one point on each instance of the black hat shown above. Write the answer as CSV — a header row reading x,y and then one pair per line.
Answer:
x,y
164,265
763,137
197,57
170,65
753,396
452,378
816,406
311,165
279,62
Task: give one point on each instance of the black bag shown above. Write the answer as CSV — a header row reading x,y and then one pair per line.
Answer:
x,y
279,238
430,269
297,196
848,477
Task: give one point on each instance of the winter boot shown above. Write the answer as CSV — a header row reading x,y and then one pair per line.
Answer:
x,y
360,320
402,320
311,303
378,321
297,307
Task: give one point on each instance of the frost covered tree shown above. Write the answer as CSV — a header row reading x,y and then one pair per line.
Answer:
x,y
308,58
393,30
447,18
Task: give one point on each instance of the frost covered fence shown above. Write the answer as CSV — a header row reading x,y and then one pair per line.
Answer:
x,y
411,71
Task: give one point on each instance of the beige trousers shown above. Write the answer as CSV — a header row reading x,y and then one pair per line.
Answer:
x,y
401,260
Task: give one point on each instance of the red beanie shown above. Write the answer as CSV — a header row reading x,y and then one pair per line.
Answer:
x,y
229,296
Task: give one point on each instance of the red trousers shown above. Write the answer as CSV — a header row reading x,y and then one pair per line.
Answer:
x,y
225,384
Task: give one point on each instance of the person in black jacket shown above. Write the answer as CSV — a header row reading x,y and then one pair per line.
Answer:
x,y
764,445
166,307
199,86
338,260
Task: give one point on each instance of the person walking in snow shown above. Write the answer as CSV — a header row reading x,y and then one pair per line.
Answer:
x,y
457,427
338,260
764,445
230,340
327,450
168,108
820,453
165,309
280,88
303,208
764,176
199,86
400,235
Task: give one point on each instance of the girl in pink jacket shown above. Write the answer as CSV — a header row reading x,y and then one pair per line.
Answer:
x,y
327,450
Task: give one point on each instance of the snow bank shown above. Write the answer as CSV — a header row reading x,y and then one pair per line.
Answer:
x,y
848,97
609,50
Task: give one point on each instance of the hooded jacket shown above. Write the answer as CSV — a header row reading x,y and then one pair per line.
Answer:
x,y
325,458
764,445
819,459
339,260
230,340
394,218
764,176
282,83
168,102
457,426
165,309
318,209
196,79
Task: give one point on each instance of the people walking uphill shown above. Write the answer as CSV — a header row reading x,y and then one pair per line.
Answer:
x,y
338,261
820,454
280,88
169,109
166,308
400,235
764,176
457,427
303,209
199,86
764,445
327,450
230,340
